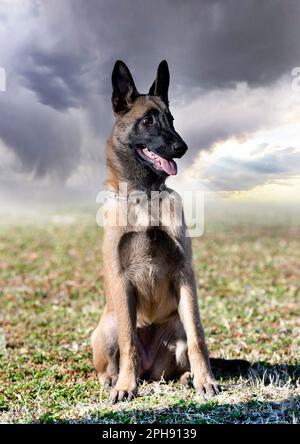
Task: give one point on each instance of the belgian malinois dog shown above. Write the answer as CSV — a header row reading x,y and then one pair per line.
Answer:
x,y
151,325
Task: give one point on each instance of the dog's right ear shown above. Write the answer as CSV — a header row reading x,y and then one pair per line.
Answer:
x,y
124,90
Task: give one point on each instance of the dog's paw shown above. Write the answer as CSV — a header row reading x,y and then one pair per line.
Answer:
x,y
125,390
206,386
186,380
117,395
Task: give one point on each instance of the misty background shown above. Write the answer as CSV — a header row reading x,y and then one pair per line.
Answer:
x,y
231,94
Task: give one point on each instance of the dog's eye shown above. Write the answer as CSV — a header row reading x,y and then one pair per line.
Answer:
x,y
147,121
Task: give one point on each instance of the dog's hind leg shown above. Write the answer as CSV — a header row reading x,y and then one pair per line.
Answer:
x,y
106,350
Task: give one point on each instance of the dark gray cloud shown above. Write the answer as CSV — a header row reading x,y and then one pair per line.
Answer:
x,y
60,67
211,44
57,79
43,142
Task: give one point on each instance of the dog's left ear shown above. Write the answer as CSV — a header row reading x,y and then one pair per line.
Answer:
x,y
160,86
124,90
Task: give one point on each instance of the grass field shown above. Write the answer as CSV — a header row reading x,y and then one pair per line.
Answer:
x,y
51,298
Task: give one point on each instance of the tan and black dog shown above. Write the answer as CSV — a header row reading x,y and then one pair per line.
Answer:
x,y
151,325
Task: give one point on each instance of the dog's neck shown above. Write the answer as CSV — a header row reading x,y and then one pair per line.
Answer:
x,y
113,182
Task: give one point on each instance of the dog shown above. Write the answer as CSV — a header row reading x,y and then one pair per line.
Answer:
x,y
151,326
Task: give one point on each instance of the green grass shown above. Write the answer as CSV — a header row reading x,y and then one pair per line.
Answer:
x,y
51,297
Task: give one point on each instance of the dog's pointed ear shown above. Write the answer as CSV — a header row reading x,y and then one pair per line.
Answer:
x,y
160,86
124,90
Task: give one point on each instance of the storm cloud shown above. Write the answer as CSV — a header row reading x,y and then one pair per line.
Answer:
x,y
56,113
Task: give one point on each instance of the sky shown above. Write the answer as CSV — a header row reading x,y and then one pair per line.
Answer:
x,y
234,92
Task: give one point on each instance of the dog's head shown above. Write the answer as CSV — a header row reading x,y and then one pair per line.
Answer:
x,y
145,141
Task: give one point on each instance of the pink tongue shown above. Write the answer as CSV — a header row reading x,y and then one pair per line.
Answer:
x,y
168,166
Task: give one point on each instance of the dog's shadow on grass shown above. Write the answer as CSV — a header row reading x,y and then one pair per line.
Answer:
x,y
227,369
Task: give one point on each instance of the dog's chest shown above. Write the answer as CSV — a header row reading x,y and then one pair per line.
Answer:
x,y
150,256
150,260
151,252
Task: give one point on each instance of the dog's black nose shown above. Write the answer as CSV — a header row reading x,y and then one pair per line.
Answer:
x,y
179,148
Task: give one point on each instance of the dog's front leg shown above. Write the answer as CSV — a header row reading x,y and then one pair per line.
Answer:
x,y
203,378
125,309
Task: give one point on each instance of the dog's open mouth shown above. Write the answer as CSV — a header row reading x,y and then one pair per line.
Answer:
x,y
158,162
